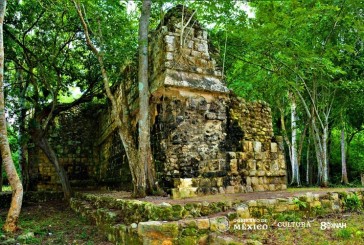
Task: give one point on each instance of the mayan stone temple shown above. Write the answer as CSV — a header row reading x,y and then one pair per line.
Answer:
x,y
205,140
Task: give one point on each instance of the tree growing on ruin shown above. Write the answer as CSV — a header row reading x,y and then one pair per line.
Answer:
x,y
138,152
145,151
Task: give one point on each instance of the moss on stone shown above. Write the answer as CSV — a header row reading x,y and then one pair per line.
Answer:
x,y
189,231
188,240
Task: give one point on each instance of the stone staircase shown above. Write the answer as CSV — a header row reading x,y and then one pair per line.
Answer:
x,y
127,221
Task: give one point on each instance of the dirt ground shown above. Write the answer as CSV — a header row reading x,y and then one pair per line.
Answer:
x,y
225,197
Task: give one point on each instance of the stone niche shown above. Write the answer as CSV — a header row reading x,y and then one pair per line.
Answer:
x,y
204,139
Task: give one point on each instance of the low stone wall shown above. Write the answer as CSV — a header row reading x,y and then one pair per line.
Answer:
x,y
141,222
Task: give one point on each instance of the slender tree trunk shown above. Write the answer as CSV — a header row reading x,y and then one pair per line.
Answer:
x,y
10,224
325,160
350,139
286,139
321,148
136,168
318,151
23,163
344,174
294,153
292,141
1,173
38,138
308,162
122,118
144,147
43,144
284,132
301,142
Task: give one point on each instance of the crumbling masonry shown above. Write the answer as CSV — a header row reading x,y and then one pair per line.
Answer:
x,y
204,139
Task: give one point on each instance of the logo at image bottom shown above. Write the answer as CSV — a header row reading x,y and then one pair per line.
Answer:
x,y
222,224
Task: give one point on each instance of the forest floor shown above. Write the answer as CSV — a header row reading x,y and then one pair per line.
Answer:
x,y
226,197
56,223
52,223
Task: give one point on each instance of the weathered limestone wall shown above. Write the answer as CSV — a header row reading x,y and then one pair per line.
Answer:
x,y
89,149
181,57
71,137
256,157
188,136
114,170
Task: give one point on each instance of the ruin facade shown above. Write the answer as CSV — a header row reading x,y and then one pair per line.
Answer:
x,y
205,140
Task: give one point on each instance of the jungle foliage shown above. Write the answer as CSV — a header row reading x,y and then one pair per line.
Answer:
x,y
303,57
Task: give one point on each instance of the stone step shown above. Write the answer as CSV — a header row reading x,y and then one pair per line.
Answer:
x,y
126,221
135,211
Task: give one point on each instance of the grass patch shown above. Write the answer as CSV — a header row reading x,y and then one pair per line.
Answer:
x,y
338,188
344,233
53,223
288,216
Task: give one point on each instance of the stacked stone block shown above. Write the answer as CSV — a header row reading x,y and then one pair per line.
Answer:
x,y
257,159
181,57
188,132
71,138
200,222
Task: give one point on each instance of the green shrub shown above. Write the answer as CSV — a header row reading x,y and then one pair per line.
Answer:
x,y
344,233
288,216
301,204
352,203
318,211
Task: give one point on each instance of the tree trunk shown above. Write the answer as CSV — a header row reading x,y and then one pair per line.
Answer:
x,y
308,162
1,173
122,119
294,153
144,147
23,161
22,150
350,139
136,168
44,145
321,147
286,138
325,160
344,174
318,151
10,224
